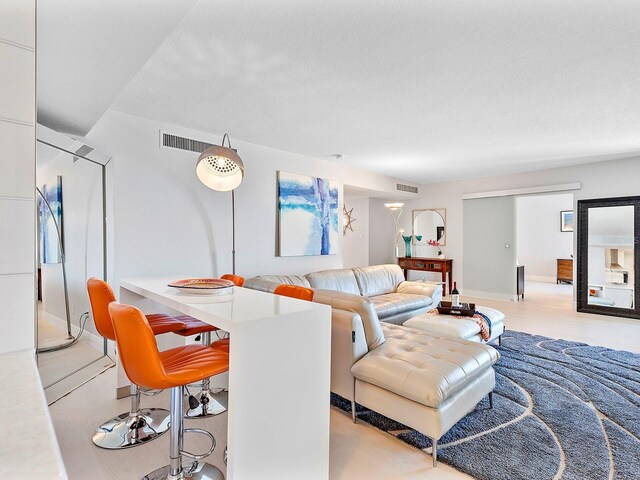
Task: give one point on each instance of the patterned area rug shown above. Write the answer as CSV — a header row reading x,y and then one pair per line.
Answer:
x,y
562,410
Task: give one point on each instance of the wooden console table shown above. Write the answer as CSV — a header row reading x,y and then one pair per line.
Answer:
x,y
442,265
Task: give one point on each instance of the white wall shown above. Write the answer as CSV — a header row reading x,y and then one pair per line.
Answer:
x,y
540,242
17,171
356,244
599,180
165,222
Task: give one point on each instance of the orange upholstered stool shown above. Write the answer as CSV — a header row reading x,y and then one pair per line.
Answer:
x,y
236,279
138,425
203,404
145,365
294,291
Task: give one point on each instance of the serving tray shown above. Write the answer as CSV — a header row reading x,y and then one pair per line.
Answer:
x,y
464,310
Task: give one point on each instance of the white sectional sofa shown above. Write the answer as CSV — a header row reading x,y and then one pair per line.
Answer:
x,y
425,381
395,300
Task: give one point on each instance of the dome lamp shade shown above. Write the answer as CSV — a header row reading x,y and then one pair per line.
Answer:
x,y
220,168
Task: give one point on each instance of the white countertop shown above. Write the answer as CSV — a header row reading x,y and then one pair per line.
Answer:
x,y
225,311
28,444
279,374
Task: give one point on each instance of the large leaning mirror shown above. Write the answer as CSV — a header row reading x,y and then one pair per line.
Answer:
x,y
608,231
430,224
71,247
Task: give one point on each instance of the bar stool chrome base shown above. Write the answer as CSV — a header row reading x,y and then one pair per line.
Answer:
x,y
191,471
127,430
208,406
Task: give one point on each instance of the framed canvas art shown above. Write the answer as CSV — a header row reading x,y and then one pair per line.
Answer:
x,y
49,247
307,215
566,221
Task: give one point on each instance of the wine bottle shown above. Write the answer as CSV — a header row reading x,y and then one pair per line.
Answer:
x,y
455,295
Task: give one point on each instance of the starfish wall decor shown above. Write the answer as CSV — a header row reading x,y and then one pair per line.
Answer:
x,y
347,219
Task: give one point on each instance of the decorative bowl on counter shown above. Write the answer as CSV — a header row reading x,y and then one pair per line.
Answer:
x,y
203,286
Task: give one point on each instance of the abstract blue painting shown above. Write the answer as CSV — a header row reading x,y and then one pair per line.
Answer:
x,y
49,247
308,215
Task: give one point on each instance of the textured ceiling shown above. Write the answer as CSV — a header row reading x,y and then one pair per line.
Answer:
x,y
89,50
420,90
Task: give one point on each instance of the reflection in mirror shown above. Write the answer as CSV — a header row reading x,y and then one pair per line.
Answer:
x,y
70,239
430,224
611,269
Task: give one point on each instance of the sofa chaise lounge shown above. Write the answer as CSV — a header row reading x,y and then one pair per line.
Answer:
x,y
423,380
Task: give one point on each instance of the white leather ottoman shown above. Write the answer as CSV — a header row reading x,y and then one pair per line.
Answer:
x,y
459,327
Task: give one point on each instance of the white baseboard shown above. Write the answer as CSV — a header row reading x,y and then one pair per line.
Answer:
x,y
491,295
540,278
95,340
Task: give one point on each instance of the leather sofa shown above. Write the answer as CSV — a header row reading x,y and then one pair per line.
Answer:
x,y
395,300
425,381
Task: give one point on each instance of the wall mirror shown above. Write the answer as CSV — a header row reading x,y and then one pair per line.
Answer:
x,y
429,224
608,232
70,247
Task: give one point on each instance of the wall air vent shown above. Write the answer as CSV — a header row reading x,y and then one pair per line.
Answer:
x,y
183,143
406,188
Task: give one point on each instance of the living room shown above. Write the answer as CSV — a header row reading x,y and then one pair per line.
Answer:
x,y
376,161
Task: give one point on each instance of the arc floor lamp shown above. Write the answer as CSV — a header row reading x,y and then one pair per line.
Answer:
x,y
220,168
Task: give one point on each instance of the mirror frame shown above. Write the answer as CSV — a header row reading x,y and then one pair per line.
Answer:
x,y
66,145
583,255
414,213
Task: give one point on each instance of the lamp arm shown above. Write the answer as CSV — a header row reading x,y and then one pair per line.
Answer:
x,y
63,261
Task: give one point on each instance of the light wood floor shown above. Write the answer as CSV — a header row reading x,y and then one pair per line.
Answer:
x,y
357,451
55,365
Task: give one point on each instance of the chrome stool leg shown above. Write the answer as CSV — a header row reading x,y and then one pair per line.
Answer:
x,y
133,428
207,405
176,470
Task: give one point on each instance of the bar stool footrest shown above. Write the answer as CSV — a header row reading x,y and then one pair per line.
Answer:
x,y
201,432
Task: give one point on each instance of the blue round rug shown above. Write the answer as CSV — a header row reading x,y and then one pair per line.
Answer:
x,y
562,410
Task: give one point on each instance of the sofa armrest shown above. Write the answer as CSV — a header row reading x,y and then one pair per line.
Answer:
x,y
348,345
356,304
421,288
260,284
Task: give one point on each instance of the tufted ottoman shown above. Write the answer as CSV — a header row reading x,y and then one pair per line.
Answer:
x,y
459,327
424,380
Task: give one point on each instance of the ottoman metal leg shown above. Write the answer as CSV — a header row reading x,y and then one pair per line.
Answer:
x,y
491,400
353,411
434,452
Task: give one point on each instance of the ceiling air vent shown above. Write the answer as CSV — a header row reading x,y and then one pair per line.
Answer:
x,y
183,143
406,188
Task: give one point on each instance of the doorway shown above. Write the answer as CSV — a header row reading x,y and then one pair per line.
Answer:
x,y
545,248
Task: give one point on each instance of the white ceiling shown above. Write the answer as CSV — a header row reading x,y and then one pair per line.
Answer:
x,y
420,90
89,50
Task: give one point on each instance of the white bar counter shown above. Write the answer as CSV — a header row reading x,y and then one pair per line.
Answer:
x,y
279,375
28,444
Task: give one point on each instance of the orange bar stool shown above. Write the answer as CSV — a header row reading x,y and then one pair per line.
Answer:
x,y
294,291
203,404
236,279
174,368
137,426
